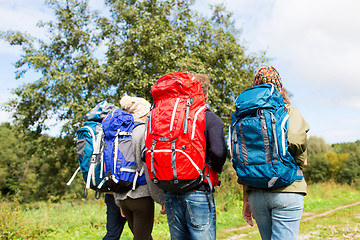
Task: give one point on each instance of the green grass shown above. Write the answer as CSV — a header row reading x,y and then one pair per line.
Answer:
x,y
325,196
78,219
321,198
341,224
86,218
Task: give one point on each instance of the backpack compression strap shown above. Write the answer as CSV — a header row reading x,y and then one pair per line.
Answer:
x,y
90,167
96,152
73,177
116,147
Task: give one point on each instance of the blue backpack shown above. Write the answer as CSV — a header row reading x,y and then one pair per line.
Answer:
x,y
259,148
89,147
122,173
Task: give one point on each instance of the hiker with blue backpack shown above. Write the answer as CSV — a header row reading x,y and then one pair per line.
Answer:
x,y
268,148
109,146
89,148
137,204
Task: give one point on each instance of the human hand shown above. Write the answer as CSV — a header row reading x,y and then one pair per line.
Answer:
x,y
122,213
247,215
163,211
305,162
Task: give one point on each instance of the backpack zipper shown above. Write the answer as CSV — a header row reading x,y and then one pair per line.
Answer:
x,y
276,146
169,79
265,134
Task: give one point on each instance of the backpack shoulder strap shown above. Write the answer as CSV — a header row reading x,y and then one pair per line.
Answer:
x,y
138,123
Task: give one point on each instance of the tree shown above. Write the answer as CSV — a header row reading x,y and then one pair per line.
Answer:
x,y
349,171
141,40
34,169
87,58
349,147
318,145
11,153
336,162
317,169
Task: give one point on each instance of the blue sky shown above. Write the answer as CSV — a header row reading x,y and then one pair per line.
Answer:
x,y
314,44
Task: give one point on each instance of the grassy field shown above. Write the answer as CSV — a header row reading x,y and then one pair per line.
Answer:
x,y
338,225
86,219
317,221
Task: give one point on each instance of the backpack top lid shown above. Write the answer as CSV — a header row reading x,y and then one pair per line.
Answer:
x,y
176,84
100,111
264,96
118,120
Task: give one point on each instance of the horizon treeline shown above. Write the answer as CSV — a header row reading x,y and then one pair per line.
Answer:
x,y
38,169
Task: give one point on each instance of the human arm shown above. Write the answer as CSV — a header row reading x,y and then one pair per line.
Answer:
x,y
247,214
216,149
297,136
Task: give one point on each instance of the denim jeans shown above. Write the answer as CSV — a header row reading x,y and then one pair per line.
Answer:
x,y
191,215
114,221
277,215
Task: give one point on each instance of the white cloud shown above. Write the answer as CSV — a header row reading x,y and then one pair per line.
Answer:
x,y
4,116
23,16
315,46
318,40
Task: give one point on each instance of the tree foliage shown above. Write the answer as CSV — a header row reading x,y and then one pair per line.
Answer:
x,y
317,169
349,172
35,169
318,145
339,162
89,57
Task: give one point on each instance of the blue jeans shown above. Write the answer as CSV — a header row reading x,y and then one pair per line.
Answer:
x,y
277,215
191,215
114,221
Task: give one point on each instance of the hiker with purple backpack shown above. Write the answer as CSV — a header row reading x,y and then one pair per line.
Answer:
x,y
137,205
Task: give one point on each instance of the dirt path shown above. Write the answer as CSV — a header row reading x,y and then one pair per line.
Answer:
x,y
328,212
306,217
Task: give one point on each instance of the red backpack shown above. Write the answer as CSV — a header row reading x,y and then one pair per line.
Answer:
x,y
175,143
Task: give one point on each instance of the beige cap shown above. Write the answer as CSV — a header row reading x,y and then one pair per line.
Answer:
x,y
137,106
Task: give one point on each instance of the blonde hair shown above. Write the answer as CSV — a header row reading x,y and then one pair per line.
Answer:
x,y
285,95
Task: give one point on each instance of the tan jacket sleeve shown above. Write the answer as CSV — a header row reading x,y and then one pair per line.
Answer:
x,y
297,135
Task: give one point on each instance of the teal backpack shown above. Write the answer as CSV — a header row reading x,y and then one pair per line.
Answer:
x,y
89,148
259,147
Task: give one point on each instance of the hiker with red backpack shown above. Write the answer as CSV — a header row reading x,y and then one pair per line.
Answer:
x,y
137,204
185,150
268,146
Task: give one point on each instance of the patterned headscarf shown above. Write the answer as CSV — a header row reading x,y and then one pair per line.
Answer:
x,y
268,75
